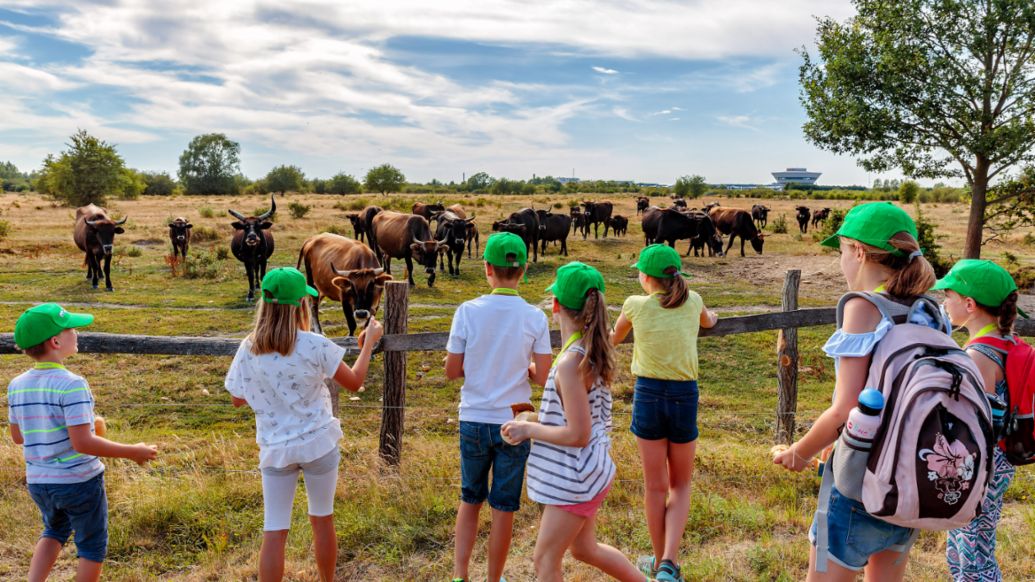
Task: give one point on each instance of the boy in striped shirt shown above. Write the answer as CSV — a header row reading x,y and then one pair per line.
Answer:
x,y
51,416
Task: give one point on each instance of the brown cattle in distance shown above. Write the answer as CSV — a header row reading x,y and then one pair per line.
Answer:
x,y
428,211
735,222
819,216
94,234
179,235
642,202
407,237
346,271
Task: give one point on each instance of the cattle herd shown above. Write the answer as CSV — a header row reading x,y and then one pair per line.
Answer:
x,y
353,271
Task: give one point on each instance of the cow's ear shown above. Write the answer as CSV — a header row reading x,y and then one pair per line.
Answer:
x,y
265,224
381,279
415,246
189,225
237,225
119,230
342,283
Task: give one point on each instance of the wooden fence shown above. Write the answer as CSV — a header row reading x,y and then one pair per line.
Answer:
x,y
397,342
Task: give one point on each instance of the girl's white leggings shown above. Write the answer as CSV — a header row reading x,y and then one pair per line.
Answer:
x,y
279,484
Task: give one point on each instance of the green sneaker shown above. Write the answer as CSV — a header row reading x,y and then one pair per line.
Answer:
x,y
668,572
645,564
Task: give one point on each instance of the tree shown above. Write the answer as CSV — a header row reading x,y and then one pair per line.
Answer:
x,y
210,165
384,179
132,185
87,172
285,179
343,183
158,184
692,186
908,191
937,88
480,182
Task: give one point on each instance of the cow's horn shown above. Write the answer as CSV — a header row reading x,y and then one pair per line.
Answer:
x,y
236,214
471,219
91,222
378,271
273,208
123,221
342,273
443,241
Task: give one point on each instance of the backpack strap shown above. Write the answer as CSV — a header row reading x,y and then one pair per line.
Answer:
x,y
888,309
990,351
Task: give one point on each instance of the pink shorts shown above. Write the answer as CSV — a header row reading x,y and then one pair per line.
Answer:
x,y
587,508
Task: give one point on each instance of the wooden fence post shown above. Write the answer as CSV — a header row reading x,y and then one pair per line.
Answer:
x,y
397,301
787,363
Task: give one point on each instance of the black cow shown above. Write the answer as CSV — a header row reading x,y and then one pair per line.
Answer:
x,y
669,225
527,218
94,234
642,202
735,222
473,235
679,203
819,216
620,225
803,218
428,211
649,223
452,229
252,244
179,235
553,228
598,213
361,223
579,223
760,214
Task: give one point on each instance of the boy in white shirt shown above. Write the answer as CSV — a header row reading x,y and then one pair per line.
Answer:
x,y
491,342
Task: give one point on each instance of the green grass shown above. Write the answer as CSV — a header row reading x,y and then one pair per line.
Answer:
x,y
196,513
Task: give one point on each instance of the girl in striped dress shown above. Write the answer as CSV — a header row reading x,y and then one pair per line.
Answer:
x,y
569,466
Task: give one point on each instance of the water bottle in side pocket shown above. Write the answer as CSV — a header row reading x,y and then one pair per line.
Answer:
x,y
853,447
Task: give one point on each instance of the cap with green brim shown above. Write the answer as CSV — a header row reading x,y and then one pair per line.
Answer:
x,y
42,322
983,281
661,261
573,281
286,286
875,224
505,249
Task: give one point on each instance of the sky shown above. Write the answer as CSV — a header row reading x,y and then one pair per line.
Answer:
x,y
608,89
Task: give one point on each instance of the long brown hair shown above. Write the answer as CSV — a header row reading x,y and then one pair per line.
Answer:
x,y
276,327
911,276
1005,313
594,322
676,290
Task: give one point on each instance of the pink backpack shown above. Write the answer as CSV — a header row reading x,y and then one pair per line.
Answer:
x,y
932,455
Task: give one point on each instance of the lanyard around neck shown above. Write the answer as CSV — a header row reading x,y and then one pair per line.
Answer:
x,y
48,366
880,289
505,291
986,330
574,338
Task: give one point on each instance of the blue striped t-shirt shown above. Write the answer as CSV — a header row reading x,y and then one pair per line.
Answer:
x,y
44,402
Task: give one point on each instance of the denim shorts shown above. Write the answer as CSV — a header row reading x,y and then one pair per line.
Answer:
x,y
482,449
82,507
665,409
854,535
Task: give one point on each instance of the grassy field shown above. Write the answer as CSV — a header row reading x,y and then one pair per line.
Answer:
x,y
196,513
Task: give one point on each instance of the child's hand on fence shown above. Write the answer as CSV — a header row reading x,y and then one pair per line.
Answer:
x,y
142,453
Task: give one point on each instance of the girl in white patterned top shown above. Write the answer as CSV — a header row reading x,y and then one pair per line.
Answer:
x,y
569,467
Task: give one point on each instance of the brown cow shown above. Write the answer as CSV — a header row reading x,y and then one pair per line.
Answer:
x,y
734,222
94,234
407,237
343,270
819,216
457,210
428,211
179,235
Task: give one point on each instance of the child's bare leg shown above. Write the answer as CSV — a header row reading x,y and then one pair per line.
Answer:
x,y
43,557
603,557
557,530
325,546
466,534
271,556
88,571
499,542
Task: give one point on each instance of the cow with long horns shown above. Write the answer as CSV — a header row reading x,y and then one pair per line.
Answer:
x,y
343,270
252,244
94,234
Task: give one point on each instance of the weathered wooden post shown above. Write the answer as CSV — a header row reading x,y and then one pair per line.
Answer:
x,y
397,301
787,363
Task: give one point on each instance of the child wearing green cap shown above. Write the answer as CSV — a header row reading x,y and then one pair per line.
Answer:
x,y
879,254
667,321
570,468
491,341
279,371
981,297
51,416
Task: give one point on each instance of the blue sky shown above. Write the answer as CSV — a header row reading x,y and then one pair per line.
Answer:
x,y
620,89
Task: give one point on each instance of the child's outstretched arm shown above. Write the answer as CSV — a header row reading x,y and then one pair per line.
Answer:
x,y
352,378
622,328
86,443
573,387
16,435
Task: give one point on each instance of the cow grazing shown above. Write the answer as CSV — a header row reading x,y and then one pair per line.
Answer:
x,y
452,229
179,235
428,211
407,237
803,218
642,202
524,223
598,213
94,234
819,216
760,214
554,228
666,226
580,223
343,270
252,244
620,225
737,223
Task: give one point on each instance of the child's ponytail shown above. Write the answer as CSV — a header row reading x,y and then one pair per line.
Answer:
x,y
676,290
596,327
1006,314
912,275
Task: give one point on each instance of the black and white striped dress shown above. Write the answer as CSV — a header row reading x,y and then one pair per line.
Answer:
x,y
558,475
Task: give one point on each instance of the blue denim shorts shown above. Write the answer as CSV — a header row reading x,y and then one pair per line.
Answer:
x,y
82,507
665,409
482,449
854,535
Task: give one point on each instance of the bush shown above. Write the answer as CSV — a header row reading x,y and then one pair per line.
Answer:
x,y
222,253
206,212
158,184
5,229
908,192
929,243
202,265
780,224
299,210
354,204
204,234
343,184
830,225
132,251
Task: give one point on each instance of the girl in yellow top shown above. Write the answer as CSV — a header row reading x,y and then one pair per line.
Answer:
x,y
667,321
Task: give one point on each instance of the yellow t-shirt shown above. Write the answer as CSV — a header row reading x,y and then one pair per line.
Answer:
x,y
665,340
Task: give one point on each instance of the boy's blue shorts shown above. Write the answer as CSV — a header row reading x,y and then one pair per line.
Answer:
x,y
82,507
481,449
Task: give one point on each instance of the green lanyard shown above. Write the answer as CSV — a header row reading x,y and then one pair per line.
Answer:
x,y
505,291
984,331
48,366
574,338
880,289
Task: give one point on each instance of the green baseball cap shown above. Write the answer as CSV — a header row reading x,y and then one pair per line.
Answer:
x,y
656,260
983,281
287,287
874,223
42,322
573,281
501,244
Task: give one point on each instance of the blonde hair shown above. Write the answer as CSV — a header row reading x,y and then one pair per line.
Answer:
x,y
595,325
276,327
911,276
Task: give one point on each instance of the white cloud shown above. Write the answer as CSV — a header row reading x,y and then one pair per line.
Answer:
x,y
738,121
623,113
605,71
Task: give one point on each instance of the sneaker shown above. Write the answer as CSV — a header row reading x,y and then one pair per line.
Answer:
x,y
645,564
668,572
459,580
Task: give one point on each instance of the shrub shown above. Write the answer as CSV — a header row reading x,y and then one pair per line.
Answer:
x,y
338,230
5,229
354,204
132,251
908,192
206,212
299,210
1029,239
558,205
222,253
830,225
202,265
780,224
204,234
929,243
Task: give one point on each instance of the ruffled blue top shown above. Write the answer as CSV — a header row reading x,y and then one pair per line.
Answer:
x,y
856,345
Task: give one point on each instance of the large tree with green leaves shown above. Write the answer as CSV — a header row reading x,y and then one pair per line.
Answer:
x,y
87,172
209,165
937,88
285,179
384,179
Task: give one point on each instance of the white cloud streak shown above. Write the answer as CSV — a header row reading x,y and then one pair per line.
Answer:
x,y
605,71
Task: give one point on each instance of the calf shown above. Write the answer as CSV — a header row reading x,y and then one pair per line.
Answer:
x,y
734,222
554,227
598,213
706,236
620,225
452,229
361,223
580,223
252,244
179,235
803,218
761,215
94,234
343,270
642,202
819,216
407,237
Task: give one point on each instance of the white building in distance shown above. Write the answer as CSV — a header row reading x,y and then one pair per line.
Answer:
x,y
796,176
